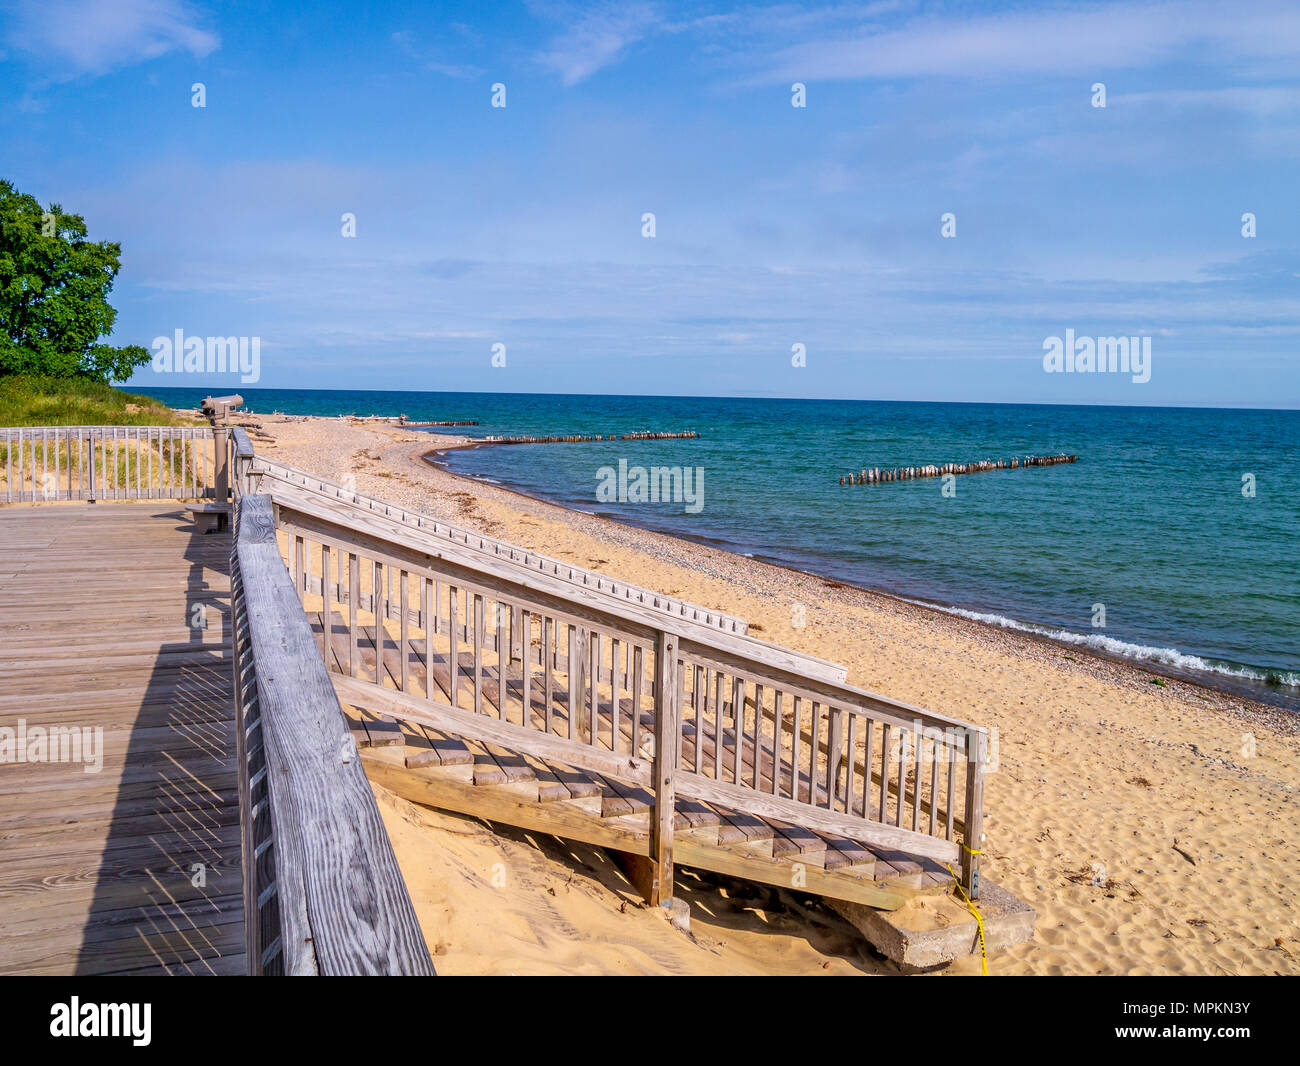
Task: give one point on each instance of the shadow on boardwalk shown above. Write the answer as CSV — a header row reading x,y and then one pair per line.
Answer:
x,y
168,887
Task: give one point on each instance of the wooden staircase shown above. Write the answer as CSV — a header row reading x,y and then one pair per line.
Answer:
x,y
479,777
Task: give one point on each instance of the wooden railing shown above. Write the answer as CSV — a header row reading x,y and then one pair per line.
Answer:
x,y
504,654
263,468
302,489
323,893
48,463
465,633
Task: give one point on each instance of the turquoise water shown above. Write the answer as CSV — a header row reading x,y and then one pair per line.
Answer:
x,y
1151,522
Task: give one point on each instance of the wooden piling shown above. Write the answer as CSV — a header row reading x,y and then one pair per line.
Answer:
x,y
875,475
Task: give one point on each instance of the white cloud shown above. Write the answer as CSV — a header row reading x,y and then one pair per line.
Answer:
x,y
430,59
597,37
74,37
1063,39
1261,100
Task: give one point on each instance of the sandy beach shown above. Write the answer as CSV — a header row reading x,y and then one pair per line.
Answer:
x,y
1149,821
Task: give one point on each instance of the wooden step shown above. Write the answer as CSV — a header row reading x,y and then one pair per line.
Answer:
x,y
435,749
620,806
622,821
848,857
556,784
744,831
796,844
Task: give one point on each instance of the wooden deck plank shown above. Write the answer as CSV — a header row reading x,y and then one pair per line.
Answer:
x,y
134,868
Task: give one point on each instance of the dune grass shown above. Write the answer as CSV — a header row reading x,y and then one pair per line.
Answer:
x,y
36,401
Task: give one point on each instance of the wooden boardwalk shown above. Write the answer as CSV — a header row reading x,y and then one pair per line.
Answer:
x,y
135,868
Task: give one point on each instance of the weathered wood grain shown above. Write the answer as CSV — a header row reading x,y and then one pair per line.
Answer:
x,y
331,847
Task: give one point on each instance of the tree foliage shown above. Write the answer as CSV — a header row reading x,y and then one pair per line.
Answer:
x,y
54,287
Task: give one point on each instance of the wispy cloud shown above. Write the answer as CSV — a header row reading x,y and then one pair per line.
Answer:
x,y
1062,39
433,59
74,37
1258,100
595,37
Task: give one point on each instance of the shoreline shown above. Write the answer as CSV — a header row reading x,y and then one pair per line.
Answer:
x,y
1221,684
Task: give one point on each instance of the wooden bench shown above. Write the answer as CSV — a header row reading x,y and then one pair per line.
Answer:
x,y
209,517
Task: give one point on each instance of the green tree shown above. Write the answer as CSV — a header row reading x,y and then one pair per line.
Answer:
x,y
54,286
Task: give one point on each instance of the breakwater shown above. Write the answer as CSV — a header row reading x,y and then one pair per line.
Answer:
x,y
875,475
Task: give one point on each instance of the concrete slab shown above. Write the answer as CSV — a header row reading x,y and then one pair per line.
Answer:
x,y
932,931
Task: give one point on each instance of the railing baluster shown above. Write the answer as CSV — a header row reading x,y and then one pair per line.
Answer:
x,y
428,614
884,772
526,671
778,731
850,762
713,690
814,778
614,687
952,784
327,604
478,655
593,652
795,737
934,786
354,605
902,776
919,775
404,628
866,768
834,738
634,667
378,612
577,681
548,670
453,652
737,729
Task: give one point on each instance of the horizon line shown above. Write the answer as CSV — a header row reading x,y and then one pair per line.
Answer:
x,y
696,396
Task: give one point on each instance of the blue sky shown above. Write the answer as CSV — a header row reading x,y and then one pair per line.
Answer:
x,y
775,225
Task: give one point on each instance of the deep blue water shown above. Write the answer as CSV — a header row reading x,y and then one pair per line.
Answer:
x,y
1151,522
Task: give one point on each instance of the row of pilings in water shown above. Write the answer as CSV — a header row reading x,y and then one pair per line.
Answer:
x,y
876,474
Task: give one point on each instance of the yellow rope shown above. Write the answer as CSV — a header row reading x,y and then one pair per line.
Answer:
x,y
979,920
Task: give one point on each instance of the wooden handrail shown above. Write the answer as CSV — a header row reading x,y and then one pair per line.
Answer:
x,y
323,886
832,789
807,754
327,489
440,538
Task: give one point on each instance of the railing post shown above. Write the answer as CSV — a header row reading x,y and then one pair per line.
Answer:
x,y
90,448
667,746
977,749
221,468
